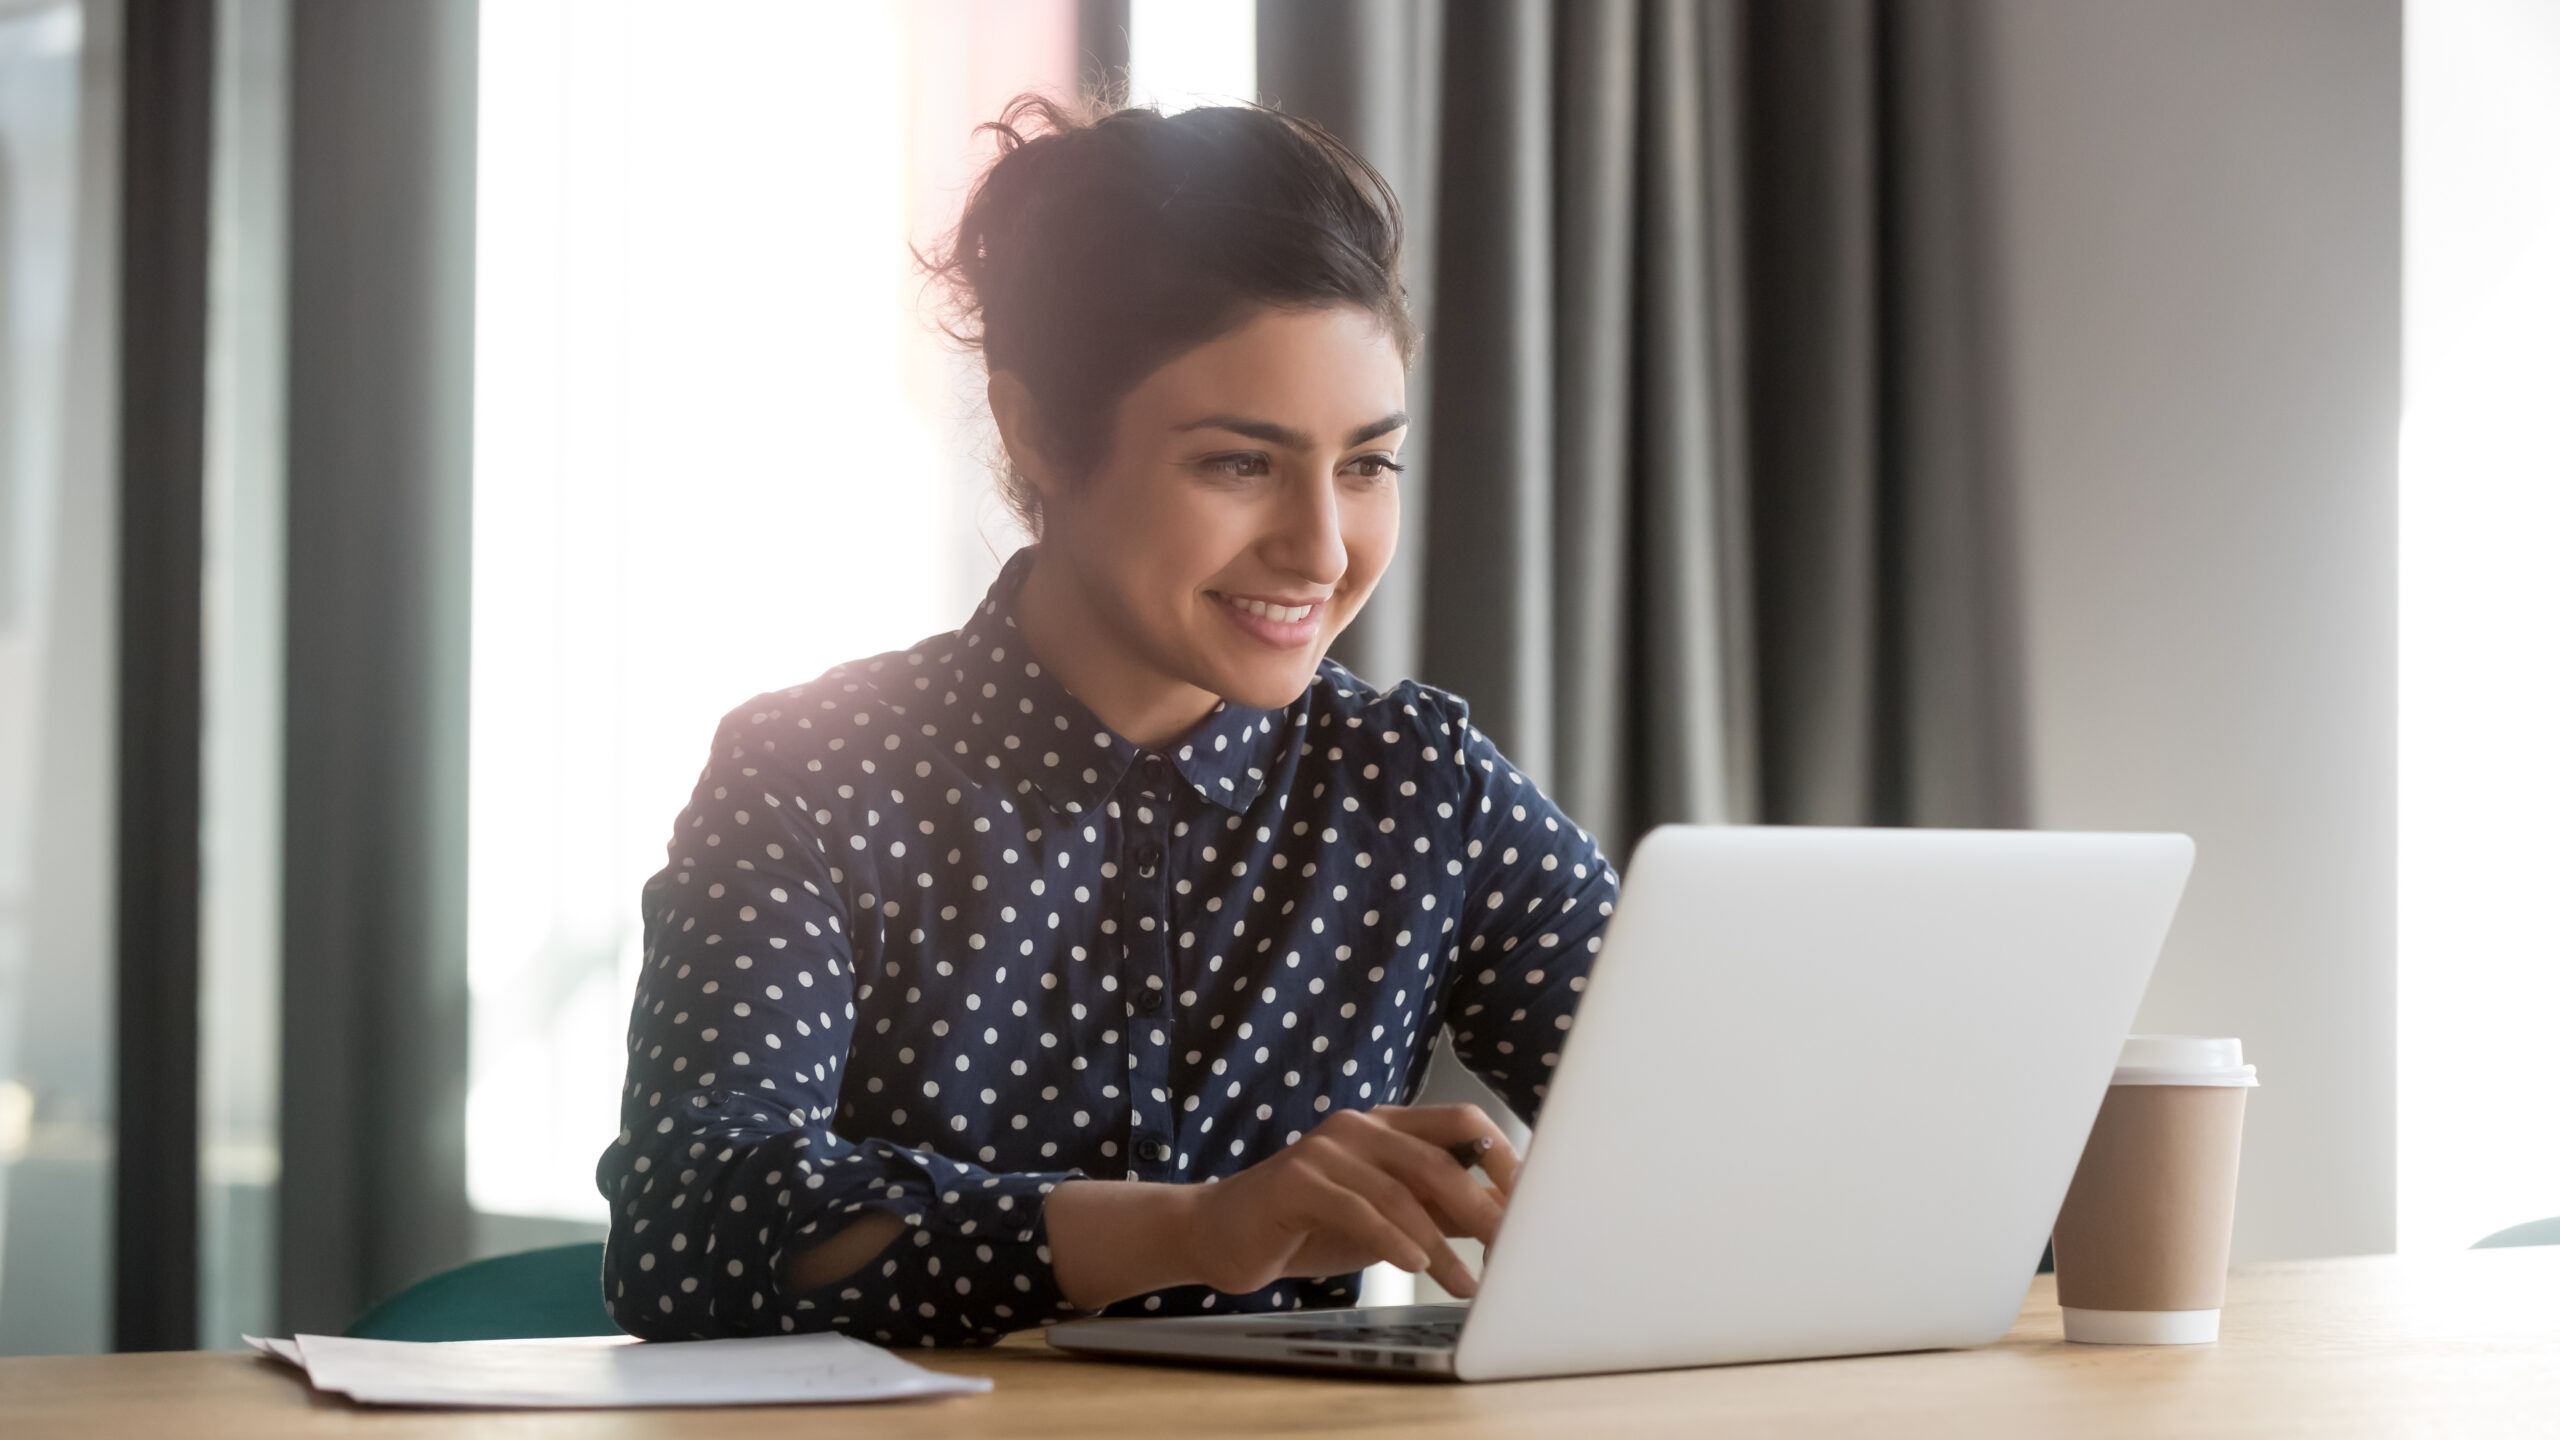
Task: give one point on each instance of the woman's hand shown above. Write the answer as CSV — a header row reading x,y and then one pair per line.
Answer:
x,y
1362,1187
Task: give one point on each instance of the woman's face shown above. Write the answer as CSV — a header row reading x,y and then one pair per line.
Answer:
x,y
1246,505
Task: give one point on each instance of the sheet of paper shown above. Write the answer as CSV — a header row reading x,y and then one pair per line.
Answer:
x,y
612,1371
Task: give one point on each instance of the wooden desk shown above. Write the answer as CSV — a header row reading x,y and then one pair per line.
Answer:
x,y
2457,1345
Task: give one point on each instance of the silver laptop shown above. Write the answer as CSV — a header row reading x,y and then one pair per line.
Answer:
x,y
1822,1097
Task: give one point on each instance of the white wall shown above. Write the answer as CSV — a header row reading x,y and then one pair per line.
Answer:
x,y
2479,605
2198,206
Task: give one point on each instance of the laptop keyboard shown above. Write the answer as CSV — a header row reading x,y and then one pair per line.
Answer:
x,y
1426,1335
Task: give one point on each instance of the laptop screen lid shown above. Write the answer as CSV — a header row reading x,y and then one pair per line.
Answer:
x,y
1823,1095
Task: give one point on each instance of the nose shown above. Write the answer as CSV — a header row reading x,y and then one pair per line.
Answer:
x,y
1306,538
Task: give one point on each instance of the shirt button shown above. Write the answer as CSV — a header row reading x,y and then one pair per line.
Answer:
x,y
1153,771
1150,999
1150,855
1154,1147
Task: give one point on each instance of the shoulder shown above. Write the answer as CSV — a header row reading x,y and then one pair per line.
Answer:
x,y
1451,746
857,710
1337,693
1439,716
1411,729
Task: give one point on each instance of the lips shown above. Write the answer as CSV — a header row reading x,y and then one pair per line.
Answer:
x,y
1283,622
1271,610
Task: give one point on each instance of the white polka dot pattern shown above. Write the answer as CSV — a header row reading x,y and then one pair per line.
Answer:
x,y
931,940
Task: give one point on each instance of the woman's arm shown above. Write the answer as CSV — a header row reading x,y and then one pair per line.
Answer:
x,y
1108,1240
728,1165
1538,898
737,1208
1362,1187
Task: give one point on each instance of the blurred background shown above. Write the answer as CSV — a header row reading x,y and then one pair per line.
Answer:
x,y
420,422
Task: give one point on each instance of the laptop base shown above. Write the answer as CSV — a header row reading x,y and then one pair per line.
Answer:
x,y
1413,1342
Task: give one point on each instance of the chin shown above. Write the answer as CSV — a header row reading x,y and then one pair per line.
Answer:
x,y
1267,690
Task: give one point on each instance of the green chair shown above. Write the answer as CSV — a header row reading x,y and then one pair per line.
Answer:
x,y
530,1294
2532,1232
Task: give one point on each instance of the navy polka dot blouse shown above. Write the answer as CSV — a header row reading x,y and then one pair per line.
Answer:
x,y
931,941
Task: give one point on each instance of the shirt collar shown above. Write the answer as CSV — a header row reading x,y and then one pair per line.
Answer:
x,y
1008,712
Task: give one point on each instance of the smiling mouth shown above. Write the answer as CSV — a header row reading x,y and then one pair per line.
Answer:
x,y
1266,610
1280,624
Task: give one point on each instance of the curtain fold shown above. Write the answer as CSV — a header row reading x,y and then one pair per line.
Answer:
x,y
167,183
376,1001
1710,525
1690,758
1962,740
1488,612
1812,379
1596,258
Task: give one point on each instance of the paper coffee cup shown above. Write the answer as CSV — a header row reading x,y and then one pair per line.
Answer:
x,y
2143,1243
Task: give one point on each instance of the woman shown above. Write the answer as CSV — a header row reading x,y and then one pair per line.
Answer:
x,y
972,962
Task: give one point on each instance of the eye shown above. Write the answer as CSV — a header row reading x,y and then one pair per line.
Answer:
x,y
1372,467
1237,464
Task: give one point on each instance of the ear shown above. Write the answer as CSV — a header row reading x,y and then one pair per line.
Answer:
x,y
1018,423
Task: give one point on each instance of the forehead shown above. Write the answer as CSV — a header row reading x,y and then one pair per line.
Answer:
x,y
1324,369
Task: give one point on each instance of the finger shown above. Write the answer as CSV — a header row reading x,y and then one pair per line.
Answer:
x,y
1331,1205
1455,1203
1446,1125
1482,1153
1501,1165
1347,1166
1391,1197
1449,1224
1435,1178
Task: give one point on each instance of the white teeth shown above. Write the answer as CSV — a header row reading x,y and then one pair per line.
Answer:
x,y
1285,614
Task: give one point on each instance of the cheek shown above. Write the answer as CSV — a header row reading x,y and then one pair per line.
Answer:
x,y
1188,536
1154,537
1369,533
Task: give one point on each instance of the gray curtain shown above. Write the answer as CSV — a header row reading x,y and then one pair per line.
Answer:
x,y
1705,523
167,178
377,664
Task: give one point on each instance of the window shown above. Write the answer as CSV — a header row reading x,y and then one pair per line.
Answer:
x,y
1190,52
2480,623
58,177
720,448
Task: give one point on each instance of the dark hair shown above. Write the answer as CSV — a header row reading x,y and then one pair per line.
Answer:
x,y
1093,250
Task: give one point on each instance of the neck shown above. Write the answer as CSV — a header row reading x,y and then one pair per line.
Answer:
x,y
1093,656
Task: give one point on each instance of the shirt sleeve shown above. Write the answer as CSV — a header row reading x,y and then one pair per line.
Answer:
x,y
728,1162
1538,896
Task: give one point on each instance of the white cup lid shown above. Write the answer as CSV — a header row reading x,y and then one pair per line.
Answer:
x,y
2182,1060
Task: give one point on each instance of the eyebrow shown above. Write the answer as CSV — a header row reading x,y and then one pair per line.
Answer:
x,y
1282,435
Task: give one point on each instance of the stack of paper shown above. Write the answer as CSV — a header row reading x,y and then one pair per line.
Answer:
x,y
612,1371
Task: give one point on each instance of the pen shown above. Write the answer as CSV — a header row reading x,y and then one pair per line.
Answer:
x,y
1468,1152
